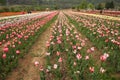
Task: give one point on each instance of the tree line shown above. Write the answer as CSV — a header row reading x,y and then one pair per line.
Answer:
x,y
86,5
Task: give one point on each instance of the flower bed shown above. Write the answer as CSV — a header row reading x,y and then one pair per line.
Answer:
x,y
20,40
68,58
104,34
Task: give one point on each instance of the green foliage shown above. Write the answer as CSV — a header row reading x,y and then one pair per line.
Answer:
x,y
83,4
2,2
19,8
56,7
90,6
4,9
73,7
101,6
60,3
109,5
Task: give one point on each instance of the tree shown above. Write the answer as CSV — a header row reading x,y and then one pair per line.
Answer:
x,y
112,6
90,6
109,5
83,4
101,6
2,2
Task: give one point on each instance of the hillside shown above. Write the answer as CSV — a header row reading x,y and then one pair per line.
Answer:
x,y
60,3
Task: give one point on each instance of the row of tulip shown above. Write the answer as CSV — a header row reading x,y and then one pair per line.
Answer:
x,y
104,34
25,36
68,58
105,12
12,19
10,30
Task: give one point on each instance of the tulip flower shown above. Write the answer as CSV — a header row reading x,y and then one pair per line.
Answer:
x,y
91,69
6,49
55,66
102,70
60,60
78,56
36,63
17,52
4,56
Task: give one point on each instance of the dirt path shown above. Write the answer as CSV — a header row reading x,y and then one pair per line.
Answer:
x,y
26,69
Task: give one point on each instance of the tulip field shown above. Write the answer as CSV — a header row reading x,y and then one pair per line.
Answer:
x,y
59,45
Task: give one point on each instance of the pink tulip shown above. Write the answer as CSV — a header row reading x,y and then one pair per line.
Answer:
x,y
74,47
119,37
47,70
58,53
17,52
86,57
91,69
60,59
77,36
6,49
4,56
92,49
106,40
8,43
19,42
47,44
74,63
78,56
0,43
59,42
103,58
19,36
36,63
41,68
3,41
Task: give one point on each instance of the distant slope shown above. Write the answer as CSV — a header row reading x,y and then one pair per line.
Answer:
x,y
60,3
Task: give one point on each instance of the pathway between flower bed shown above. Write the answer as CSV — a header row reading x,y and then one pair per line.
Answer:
x,y
26,69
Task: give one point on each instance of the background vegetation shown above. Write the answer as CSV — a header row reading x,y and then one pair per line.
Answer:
x,y
24,5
